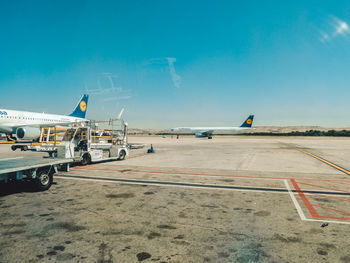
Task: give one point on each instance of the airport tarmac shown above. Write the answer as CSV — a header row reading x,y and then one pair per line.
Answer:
x,y
229,199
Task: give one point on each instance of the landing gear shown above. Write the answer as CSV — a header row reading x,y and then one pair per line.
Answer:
x,y
210,137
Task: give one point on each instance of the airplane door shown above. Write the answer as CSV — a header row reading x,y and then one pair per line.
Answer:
x,y
21,119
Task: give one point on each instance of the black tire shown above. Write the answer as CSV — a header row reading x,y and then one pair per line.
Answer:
x,y
13,148
122,155
65,167
86,159
210,137
43,180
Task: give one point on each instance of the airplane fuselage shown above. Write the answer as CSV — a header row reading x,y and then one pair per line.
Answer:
x,y
213,130
11,119
209,131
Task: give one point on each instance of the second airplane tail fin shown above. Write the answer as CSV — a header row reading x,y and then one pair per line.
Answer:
x,y
80,109
248,122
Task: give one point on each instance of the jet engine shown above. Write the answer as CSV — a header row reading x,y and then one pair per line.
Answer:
x,y
203,135
28,133
200,135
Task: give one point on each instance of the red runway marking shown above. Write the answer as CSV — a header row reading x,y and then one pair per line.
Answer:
x,y
331,197
332,209
304,199
311,208
328,188
335,217
337,182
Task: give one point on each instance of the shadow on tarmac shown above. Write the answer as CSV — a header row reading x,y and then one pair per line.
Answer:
x,y
17,187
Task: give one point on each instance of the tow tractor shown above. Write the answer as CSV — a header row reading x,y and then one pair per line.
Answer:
x,y
85,145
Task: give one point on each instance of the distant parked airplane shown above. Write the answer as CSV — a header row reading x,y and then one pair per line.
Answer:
x,y
27,125
210,131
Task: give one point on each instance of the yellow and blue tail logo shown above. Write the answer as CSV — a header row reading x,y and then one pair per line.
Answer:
x,y
80,109
248,122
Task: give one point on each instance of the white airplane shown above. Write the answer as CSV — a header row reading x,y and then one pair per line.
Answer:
x,y
27,125
210,131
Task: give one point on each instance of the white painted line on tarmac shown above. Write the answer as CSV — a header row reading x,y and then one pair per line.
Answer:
x,y
306,191
301,213
180,184
169,184
327,221
296,204
14,158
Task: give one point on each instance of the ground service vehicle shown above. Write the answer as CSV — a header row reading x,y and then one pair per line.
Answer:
x,y
39,171
85,145
76,145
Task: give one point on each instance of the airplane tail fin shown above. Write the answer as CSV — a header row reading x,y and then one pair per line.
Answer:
x,y
248,122
120,114
80,109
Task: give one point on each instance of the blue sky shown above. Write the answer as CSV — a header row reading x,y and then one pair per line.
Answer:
x,y
179,63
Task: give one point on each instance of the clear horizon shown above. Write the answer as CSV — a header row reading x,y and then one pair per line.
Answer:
x,y
179,63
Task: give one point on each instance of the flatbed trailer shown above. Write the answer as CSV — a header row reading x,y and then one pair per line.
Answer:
x,y
38,170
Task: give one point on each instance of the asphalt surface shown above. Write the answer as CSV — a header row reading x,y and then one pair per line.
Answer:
x,y
230,199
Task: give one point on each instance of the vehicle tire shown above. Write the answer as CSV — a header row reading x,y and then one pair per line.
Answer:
x,y
43,180
65,167
25,148
122,155
13,148
210,137
86,159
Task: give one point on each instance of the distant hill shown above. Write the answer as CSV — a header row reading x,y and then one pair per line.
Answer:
x,y
288,129
266,130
